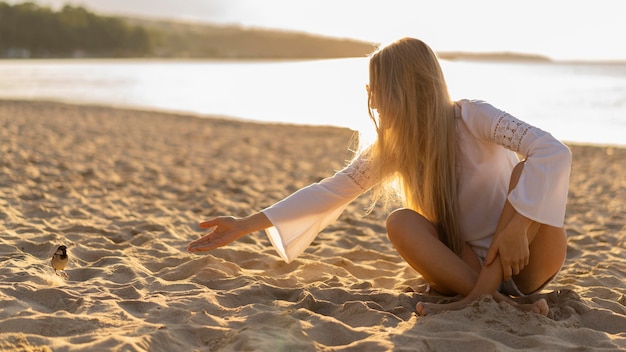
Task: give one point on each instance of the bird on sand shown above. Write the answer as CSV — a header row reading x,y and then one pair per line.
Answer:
x,y
59,260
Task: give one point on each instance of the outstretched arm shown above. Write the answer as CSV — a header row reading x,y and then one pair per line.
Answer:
x,y
224,230
293,222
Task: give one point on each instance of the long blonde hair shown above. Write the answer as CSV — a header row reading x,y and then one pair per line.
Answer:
x,y
416,135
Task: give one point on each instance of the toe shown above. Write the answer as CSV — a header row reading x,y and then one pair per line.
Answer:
x,y
421,309
542,307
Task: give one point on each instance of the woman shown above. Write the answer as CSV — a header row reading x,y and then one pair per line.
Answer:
x,y
476,220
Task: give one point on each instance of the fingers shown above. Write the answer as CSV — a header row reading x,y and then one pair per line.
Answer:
x,y
203,244
491,255
507,268
210,240
209,223
510,269
221,231
507,272
200,247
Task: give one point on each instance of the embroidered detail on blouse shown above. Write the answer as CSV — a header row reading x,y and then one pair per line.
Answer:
x,y
358,171
510,132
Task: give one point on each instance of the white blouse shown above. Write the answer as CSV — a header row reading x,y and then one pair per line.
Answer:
x,y
489,141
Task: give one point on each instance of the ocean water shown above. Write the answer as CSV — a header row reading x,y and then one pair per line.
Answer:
x,y
576,102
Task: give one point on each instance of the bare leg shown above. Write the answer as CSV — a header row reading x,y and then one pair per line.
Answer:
x,y
547,248
417,241
444,270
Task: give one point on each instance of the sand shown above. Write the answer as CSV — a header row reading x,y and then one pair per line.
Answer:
x,y
125,189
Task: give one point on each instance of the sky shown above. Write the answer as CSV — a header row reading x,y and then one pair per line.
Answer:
x,y
559,29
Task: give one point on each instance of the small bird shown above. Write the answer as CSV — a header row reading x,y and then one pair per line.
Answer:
x,y
59,260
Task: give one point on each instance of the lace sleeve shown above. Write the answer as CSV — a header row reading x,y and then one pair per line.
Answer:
x,y
541,192
510,132
359,171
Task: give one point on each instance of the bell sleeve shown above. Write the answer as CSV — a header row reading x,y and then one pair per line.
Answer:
x,y
541,193
298,218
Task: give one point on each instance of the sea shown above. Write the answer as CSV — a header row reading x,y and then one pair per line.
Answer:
x,y
576,102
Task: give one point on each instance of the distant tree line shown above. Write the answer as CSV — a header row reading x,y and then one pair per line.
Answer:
x,y
29,30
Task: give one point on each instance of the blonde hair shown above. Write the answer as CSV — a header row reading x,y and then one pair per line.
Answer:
x,y
415,149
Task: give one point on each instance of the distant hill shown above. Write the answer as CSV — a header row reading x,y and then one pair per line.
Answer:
x,y
188,40
498,56
180,39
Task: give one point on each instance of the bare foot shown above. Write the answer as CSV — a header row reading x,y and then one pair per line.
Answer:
x,y
539,307
423,308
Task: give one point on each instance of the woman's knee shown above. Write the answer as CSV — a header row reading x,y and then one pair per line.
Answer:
x,y
548,251
402,222
399,218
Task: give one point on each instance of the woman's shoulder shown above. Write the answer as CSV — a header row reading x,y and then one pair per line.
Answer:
x,y
474,105
474,109
478,116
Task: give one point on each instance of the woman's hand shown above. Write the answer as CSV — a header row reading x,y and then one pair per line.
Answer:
x,y
226,229
512,246
222,231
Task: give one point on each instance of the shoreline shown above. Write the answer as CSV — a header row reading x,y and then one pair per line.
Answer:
x,y
124,189
205,116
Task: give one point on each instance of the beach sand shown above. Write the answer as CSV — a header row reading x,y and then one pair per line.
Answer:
x,y
124,190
